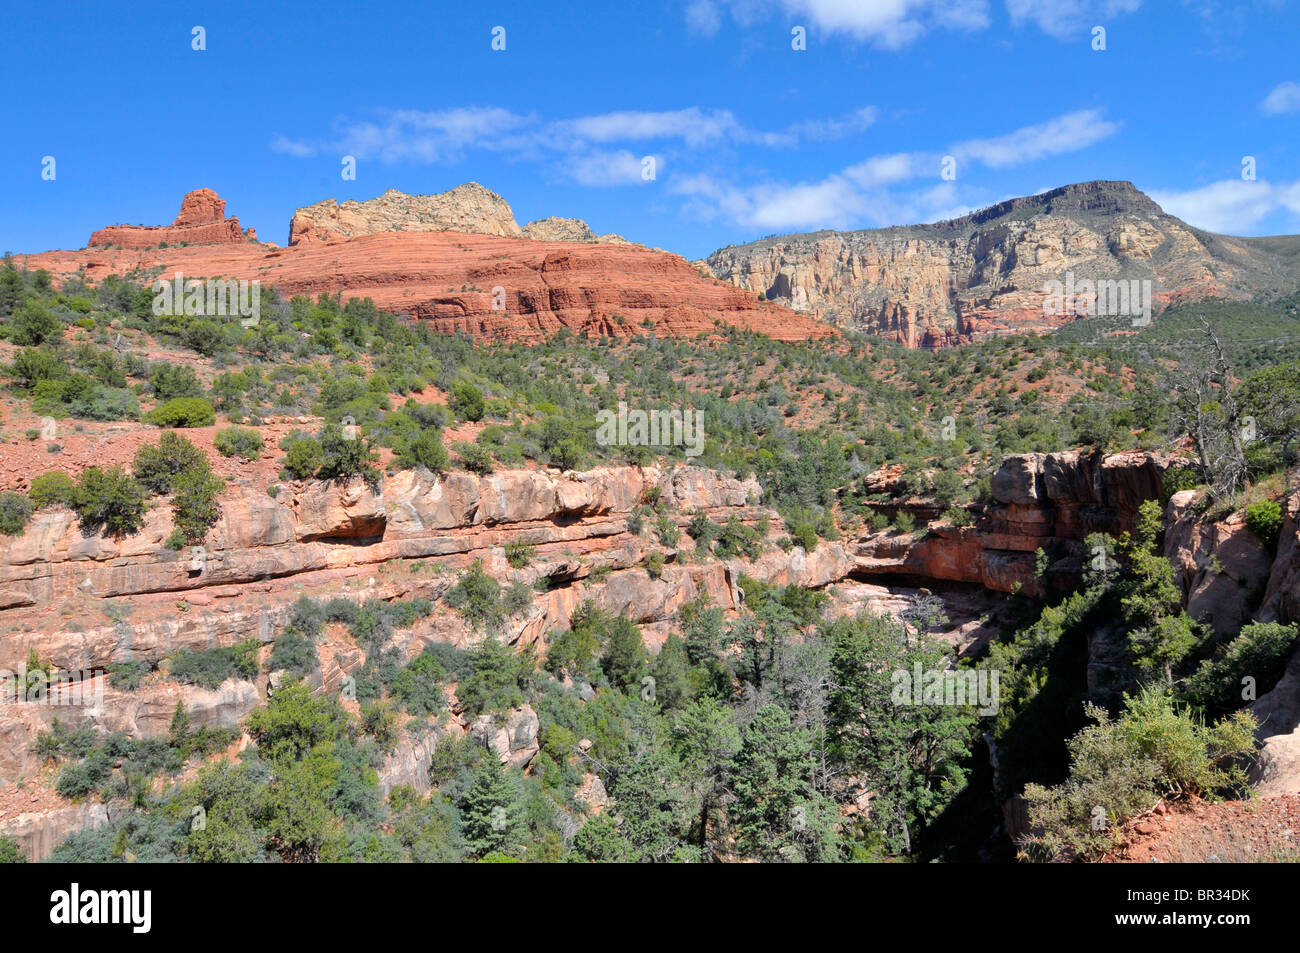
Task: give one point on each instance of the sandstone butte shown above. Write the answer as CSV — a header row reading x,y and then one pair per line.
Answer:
x,y
446,279
202,221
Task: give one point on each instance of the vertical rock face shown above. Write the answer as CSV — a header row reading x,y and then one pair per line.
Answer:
x,y
202,221
983,274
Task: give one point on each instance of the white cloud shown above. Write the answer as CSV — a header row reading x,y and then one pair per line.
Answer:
x,y
703,17
293,147
1067,133
693,126
868,193
892,24
1231,207
1285,98
1067,19
608,168
824,130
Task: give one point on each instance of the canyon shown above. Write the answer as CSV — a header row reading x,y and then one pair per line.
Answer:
x,y
84,602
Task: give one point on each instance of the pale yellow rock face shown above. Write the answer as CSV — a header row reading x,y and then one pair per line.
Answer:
x,y
468,208
961,280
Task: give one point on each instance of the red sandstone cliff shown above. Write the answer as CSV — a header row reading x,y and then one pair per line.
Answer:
x,y
202,221
485,285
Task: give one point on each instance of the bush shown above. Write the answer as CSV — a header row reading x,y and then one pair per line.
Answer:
x,y
958,516
157,466
519,555
170,381
904,522
194,506
302,458
15,510
426,450
1260,652
1126,765
1264,519
467,401
208,668
475,458
344,456
183,412
110,500
53,489
238,442
477,597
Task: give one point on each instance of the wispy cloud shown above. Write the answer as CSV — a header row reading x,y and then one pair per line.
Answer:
x,y
889,24
1233,206
874,192
1067,133
1284,98
447,135
1066,19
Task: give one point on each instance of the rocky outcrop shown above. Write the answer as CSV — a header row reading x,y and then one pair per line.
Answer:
x,y
984,274
468,208
484,285
39,832
1223,567
202,221
567,230
1049,501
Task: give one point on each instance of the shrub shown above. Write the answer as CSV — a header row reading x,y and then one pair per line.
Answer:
x,y
170,381
474,457
1126,765
1260,651
467,401
238,442
302,458
183,412
517,598
294,652
344,456
425,449
958,516
194,506
110,500
53,489
477,597
1264,519
904,522
738,540
654,565
15,510
519,555
157,466
208,668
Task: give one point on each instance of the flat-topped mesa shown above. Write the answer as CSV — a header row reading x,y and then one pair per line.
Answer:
x,y
202,221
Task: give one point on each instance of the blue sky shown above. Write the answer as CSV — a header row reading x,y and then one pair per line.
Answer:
x,y
749,137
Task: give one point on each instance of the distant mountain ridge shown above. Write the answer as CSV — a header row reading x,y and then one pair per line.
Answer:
x,y
959,280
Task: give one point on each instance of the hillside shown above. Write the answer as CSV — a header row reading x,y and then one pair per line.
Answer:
x,y
983,274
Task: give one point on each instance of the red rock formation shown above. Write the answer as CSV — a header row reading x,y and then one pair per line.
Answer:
x,y
202,221
447,279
